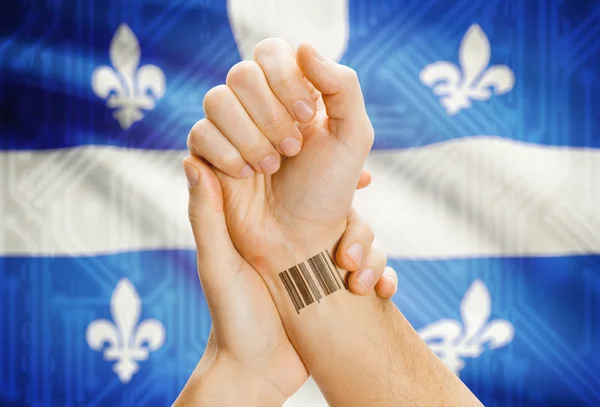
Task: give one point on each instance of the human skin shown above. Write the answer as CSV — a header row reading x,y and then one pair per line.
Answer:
x,y
248,359
247,346
288,211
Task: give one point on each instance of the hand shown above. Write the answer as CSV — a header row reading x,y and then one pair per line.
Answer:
x,y
247,336
304,201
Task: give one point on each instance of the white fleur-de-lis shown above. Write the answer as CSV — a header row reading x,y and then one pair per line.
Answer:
x,y
457,88
127,341
126,88
452,341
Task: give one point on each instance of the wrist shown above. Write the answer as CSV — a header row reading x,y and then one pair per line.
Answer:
x,y
221,381
305,276
248,386
292,250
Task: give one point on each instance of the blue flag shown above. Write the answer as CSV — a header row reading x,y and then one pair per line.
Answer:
x,y
485,193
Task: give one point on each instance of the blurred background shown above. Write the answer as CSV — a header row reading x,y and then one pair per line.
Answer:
x,y
485,194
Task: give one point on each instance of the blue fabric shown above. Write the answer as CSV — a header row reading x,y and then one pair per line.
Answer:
x,y
48,53
47,60
552,303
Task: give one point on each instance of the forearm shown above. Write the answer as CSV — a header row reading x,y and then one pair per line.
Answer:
x,y
362,351
218,382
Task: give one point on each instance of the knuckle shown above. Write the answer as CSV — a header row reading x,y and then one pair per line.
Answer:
x,y
275,122
363,229
255,149
350,75
251,143
232,160
196,134
283,84
370,136
376,259
381,260
242,72
216,98
268,46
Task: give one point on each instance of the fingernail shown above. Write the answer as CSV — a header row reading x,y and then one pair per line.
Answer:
x,y
290,146
366,278
191,174
303,110
270,164
247,171
391,280
355,252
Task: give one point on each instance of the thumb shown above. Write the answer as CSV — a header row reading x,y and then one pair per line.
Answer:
x,y
341,93
217,255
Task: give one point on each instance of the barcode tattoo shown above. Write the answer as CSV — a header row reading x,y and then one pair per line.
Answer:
x,y
299,281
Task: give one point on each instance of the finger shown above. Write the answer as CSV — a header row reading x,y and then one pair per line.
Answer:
x,y
314,93
341,94
223,108
354,244
248,82
365,179
388,283
277,59
205,140
217,257
363,281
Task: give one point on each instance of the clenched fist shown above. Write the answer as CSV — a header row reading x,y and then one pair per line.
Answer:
x,y
309,109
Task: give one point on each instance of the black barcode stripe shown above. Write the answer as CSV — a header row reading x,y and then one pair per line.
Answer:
x,y
311,283
290,289
313,267
299,280
330,268
298,297
337,271
302,288
323,271
287,282
329,273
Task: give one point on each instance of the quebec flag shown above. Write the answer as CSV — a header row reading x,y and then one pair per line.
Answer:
x,y
485,194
